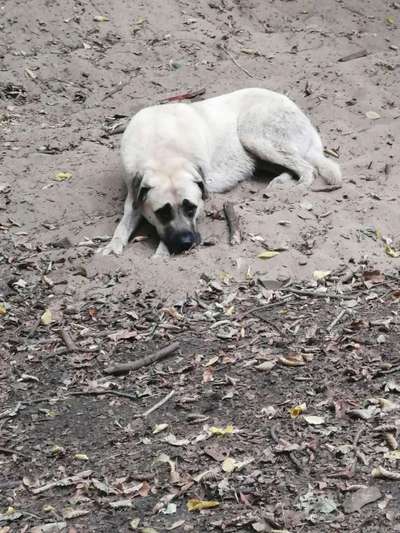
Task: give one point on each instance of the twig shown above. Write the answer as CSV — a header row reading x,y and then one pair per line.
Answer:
x,y
186,96
327,189
236,62
10,451
336,320
116,89
354,55
159,404
263,308
316,294
143,361
99,392
233,220
64,482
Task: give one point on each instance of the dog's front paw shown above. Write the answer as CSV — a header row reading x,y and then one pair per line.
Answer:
x,y
115,247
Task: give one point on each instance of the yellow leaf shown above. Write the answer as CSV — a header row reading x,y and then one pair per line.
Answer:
x,y
393,455
319,275
390,20
297,410
46,318
228,430
392,253
198,505
229,465
268,254
3,310
159,427
62,176
101,18
81,457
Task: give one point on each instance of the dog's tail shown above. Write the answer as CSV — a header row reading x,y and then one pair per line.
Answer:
x,y
328,170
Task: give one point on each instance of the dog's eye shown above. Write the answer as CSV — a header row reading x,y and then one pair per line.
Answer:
x,y
189,208
165,214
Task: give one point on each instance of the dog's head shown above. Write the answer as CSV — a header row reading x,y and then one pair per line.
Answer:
x,y
172,202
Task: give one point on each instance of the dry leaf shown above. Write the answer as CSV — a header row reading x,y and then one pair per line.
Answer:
x,y
229,465
267,254
198,505
101,18
3,309
159,427
391,252
314,420
134,524
372,115
81,457
266,366
62,176
292,360
320,275
297,410
46,318
171,439
228,430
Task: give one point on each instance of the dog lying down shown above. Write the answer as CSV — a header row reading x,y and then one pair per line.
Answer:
x,y
175,154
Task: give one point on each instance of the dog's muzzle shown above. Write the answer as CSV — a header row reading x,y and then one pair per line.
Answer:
x,y
181,241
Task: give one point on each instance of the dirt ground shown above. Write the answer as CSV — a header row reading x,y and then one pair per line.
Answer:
x,y
71,74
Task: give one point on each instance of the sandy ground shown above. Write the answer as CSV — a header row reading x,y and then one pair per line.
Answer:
x,y
65,73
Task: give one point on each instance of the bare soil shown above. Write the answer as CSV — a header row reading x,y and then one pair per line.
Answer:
x,y
71,74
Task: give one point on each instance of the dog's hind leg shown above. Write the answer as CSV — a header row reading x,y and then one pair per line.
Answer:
x,y
280,154
125,228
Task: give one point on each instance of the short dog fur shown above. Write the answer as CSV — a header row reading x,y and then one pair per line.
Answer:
x,y
174,154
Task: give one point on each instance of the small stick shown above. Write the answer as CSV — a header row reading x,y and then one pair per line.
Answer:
x,y
316,294
327,189
159,404
235,62
143,361
263,307
232,218
116,90
354,55
185,96
99,392
10,451
336,320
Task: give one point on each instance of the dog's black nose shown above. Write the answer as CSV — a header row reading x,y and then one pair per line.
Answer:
x,y
182,241
185,240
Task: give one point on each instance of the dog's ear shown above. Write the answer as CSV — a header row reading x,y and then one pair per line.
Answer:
x,y
201,182
139,190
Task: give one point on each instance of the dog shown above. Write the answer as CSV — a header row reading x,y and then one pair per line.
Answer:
x,y
175,154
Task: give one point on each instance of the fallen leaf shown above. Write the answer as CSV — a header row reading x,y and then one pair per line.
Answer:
x,y
62,176
10,515
69,513
267,254
121,504
171,439
390,20
134,524
101,18
266,366
170,509
372,115
320,275
314,420
46,317
159,427
81,457
49,528
198,505
229,465
292,360
228,430
391,252
394,455
297,410
357,500
3,309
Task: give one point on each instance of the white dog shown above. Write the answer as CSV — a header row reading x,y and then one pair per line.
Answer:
x,y
173,154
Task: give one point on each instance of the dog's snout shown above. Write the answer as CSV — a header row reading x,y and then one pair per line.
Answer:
x,y
182,241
